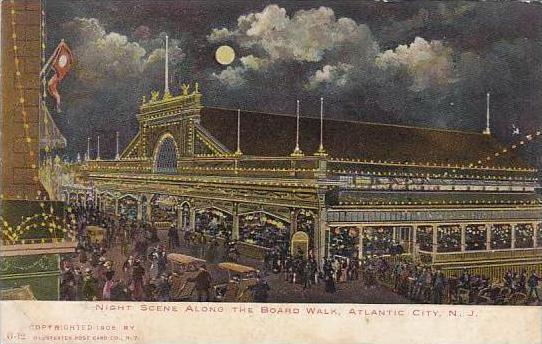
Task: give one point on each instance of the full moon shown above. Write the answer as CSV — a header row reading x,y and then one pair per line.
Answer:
x,y
225,55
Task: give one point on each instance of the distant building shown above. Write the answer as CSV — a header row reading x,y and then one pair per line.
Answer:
x,y
33,237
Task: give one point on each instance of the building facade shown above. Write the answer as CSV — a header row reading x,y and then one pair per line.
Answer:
x,y
346,188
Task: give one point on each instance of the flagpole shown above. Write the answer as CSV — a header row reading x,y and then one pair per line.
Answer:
x,y
117,154
238,151
166,78
98,149
321,151
88,148
297,151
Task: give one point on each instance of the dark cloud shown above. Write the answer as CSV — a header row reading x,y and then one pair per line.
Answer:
x,y
419,63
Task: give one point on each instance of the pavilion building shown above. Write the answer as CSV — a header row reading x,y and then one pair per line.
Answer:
x,y
328,187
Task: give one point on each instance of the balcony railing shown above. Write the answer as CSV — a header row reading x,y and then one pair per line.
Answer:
x,y
475,256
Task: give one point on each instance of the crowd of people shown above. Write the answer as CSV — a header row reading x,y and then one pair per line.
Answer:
x,y
424,284
142,274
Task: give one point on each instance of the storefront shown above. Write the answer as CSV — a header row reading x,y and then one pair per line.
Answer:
x,y
214,221
128,207
449,238
108,203
265,230
163,210
344,242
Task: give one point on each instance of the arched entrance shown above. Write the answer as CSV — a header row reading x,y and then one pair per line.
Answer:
x,y
306,222
300,244
165,155
185,216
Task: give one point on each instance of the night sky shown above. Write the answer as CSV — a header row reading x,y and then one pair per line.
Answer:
x,y
417,63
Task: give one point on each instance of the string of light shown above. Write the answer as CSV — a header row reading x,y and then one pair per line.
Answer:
x,y
20,89
522,142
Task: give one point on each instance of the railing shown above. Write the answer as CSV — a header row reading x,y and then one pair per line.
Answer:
x,y
37,241
162,224
115,166
473,256
278,167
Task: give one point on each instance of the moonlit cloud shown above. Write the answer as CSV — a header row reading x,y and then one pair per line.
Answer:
x,y
429,63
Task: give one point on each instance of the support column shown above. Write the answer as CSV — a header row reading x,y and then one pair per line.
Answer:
x,y
149,210
463,238
192,218
535,235
117,207
179,217
360,245
139,214
513,235
235,226
414,238
293,221
435,240
316,243
394,234
488,236
320,231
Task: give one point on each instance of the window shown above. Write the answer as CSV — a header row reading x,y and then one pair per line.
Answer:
x,y
166,158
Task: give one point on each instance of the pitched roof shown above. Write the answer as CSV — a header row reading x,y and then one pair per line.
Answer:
x,y
264,134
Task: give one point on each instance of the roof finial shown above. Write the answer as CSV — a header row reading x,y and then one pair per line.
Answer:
x,y
297,151
166,77
238,151
321,151
487,130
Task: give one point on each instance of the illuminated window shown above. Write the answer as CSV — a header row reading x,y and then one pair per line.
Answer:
x,y
166,159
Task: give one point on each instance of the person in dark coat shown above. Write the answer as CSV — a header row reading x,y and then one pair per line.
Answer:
x,y
90,288
533,286
330,281
138,272
211,253
203,282
438,287
260,290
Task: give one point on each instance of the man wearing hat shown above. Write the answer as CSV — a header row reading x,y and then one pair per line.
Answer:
x,y
89,286
203,282
138,273
260,289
